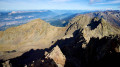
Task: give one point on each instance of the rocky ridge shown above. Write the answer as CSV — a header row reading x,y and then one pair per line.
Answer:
x,y
84,42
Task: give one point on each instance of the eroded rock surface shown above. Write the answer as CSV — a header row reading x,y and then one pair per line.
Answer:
x,y
57,56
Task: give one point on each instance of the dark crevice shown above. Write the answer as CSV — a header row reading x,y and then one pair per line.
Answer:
x,y
94,23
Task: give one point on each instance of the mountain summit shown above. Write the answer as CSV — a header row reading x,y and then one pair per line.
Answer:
x,y
32,33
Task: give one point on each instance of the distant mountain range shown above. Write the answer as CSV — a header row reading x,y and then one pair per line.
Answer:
x,y
112,16
15,18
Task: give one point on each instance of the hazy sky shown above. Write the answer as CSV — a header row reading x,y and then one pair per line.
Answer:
x,y
59,4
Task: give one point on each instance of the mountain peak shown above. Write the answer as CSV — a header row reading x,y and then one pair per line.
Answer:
x,y
99,28
37,21
35,32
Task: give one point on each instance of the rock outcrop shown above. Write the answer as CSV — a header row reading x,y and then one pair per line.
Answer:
x,y
54,58
7,64
57,56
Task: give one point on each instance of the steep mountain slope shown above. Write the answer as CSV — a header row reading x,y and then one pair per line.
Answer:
x,y
33,33
92,27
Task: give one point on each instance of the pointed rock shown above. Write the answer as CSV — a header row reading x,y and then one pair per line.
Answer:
x,y
57,56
